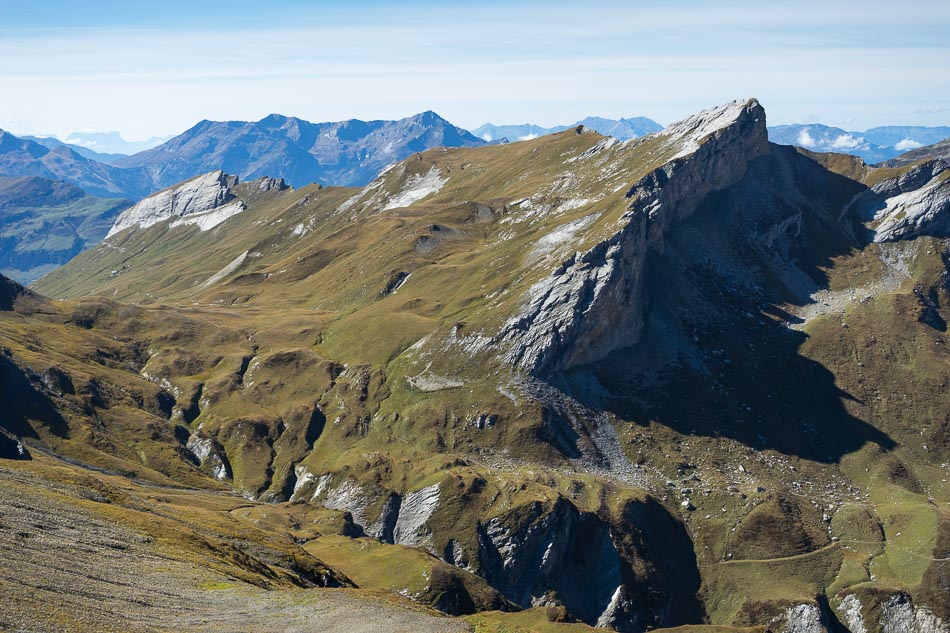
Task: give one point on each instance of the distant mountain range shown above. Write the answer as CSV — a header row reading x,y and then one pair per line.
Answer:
x,y
50,142
939,150
52,202
874,146
105,147
343,153
622,129
349,153
45,223
23,157
112,142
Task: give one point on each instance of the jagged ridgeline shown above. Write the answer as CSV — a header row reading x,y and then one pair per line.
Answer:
x,y
690,379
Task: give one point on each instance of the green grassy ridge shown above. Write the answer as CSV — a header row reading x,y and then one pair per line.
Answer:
x,y
344,265
410,470
756,551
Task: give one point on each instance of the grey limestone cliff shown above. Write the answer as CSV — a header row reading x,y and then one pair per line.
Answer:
x,y
205,201
915,204
592,304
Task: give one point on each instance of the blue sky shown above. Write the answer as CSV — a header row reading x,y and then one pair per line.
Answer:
x,y
157,68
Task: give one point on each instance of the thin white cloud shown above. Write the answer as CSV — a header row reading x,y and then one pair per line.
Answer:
x,y
805,139
847,142
612,61
907,145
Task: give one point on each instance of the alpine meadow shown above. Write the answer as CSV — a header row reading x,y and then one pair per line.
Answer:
x,y
643,353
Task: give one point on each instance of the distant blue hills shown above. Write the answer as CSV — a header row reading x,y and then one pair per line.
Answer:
x,y
349,153
874,146
623,129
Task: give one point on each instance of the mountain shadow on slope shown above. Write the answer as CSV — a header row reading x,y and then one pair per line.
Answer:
x,y
718,357
22,404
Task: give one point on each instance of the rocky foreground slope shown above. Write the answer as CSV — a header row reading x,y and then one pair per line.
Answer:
x,y
691,379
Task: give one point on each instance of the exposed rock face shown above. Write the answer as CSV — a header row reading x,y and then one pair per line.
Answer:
x,y
804,618
900,615
538,554
57,381
413,512
11,447
911,180
266,183
417,187
592,303
917,203
209,456
205,201
617,614
851,611
564,551
401,520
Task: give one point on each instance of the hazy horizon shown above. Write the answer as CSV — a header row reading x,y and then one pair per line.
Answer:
x,y
156,71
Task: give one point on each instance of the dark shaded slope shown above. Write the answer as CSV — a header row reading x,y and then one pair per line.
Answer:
x,y
718,358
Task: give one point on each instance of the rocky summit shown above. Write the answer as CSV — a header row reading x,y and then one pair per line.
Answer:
x,y
693,381
340,153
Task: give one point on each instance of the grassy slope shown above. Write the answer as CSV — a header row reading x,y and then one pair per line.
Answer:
x,y
322,293
156,558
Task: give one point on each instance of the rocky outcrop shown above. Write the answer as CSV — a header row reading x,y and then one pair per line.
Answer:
x,y
414,510
266,183
11,447
209,455
400,519
592,303
850,610
803,618
626,574
900,615
205,201
895,613
917,203
560,556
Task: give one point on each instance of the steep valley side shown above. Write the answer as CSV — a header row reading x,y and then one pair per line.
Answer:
x,y
567,382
